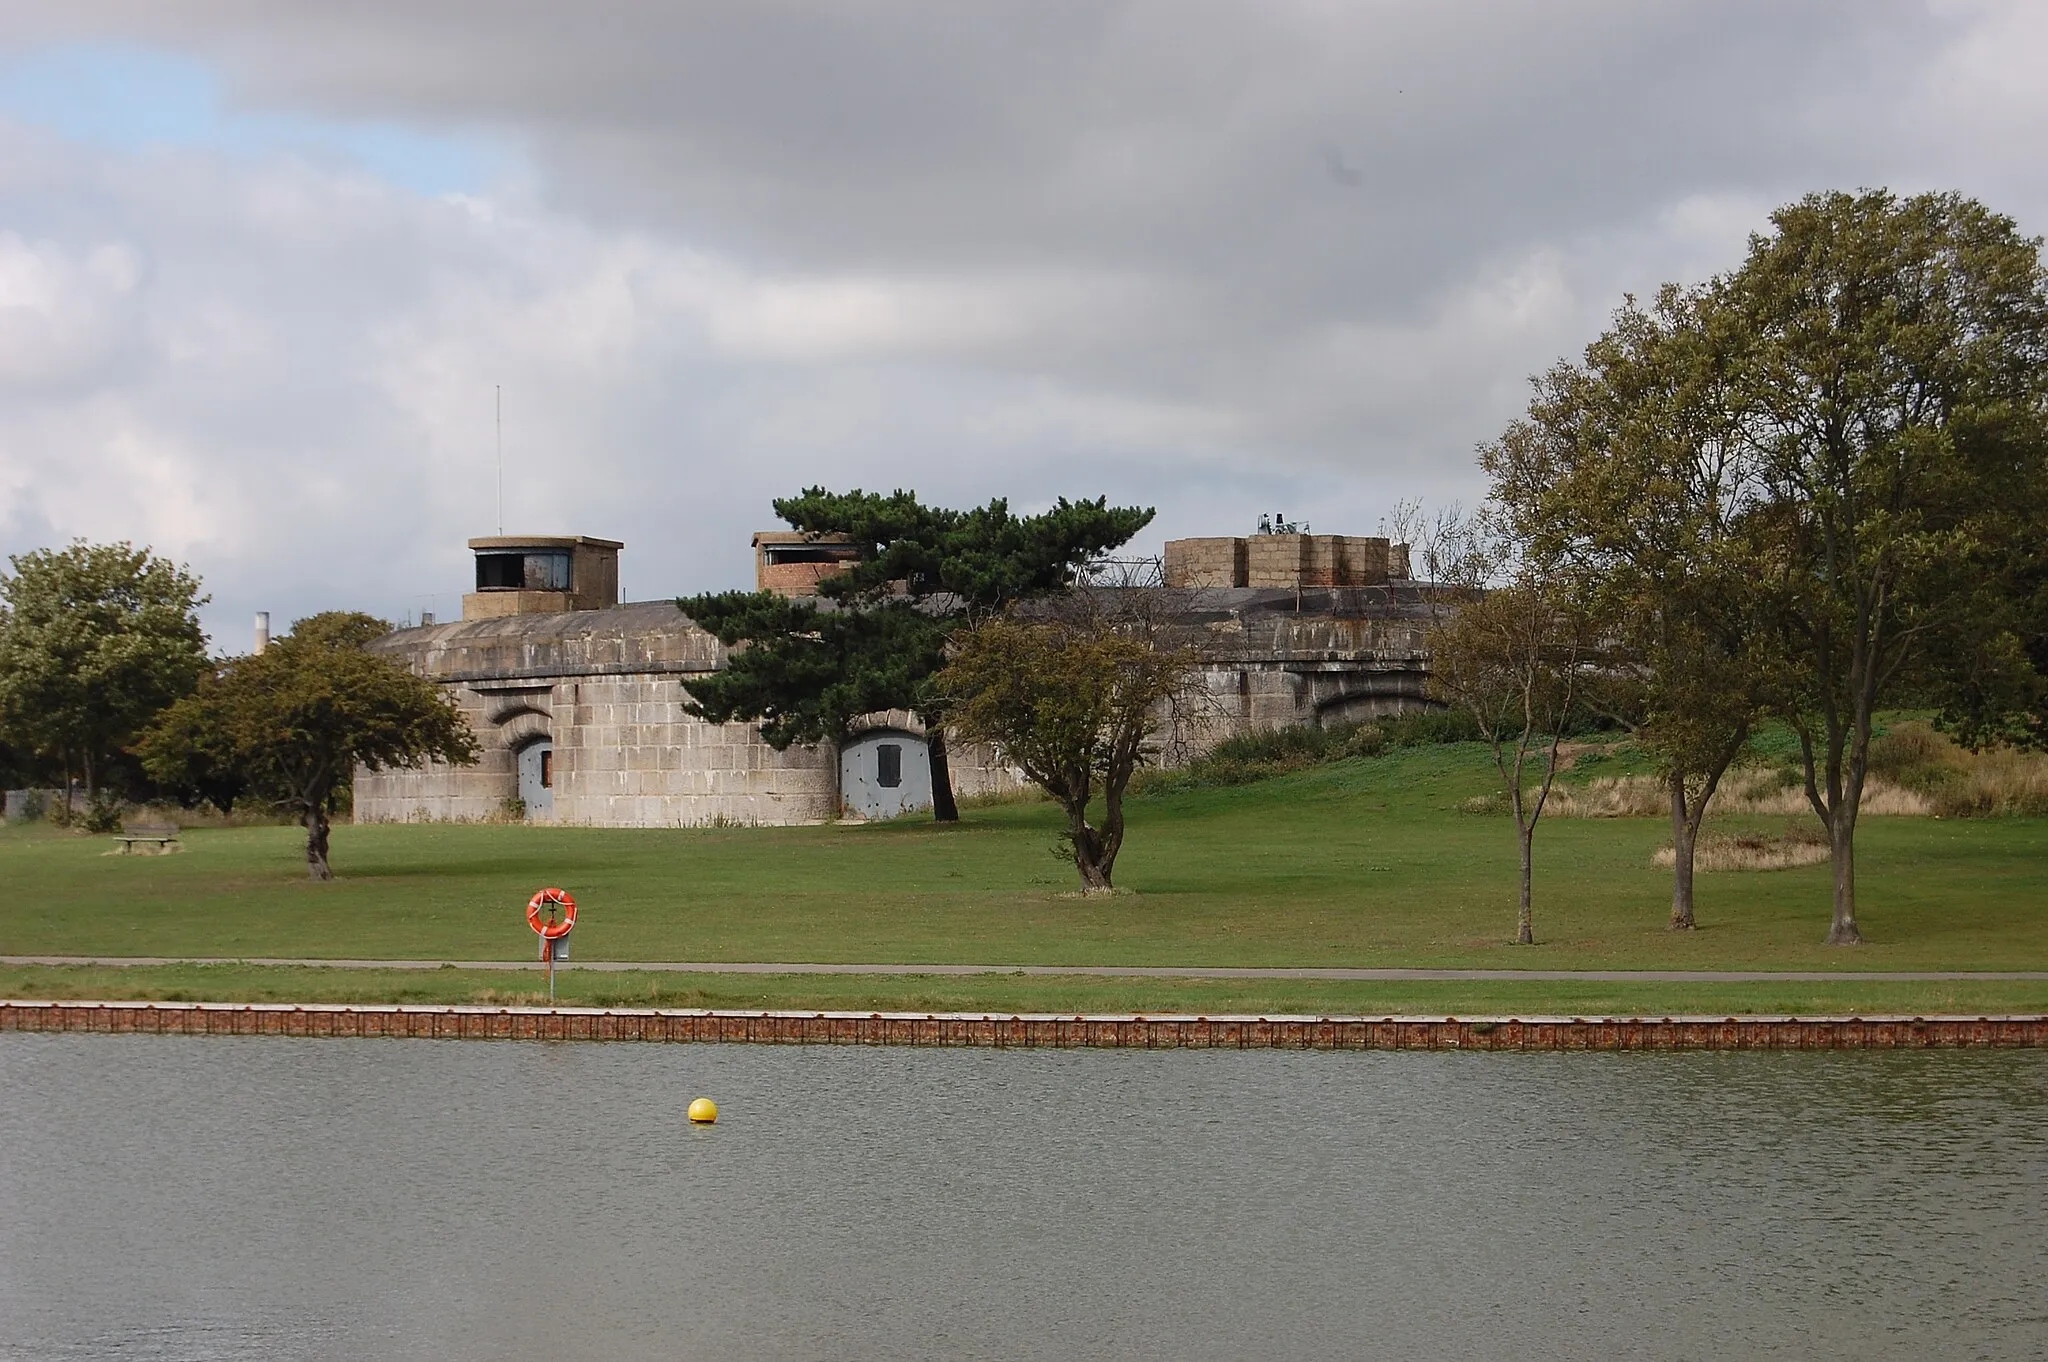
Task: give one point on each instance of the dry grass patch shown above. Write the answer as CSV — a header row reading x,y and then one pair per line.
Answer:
x,y
1750,790
1751,851
1915,772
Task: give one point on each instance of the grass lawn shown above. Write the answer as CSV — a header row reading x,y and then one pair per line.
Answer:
x,y
1011,993
1361,862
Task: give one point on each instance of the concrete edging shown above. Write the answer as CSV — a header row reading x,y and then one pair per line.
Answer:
x,y
1025,1030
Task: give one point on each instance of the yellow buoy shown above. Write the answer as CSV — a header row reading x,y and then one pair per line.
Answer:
x,y
703,1111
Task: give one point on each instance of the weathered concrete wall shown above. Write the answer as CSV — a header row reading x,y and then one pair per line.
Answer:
x,y
605,687
1281,659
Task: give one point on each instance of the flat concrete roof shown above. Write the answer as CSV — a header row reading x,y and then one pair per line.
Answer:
x,y
544,541
798,537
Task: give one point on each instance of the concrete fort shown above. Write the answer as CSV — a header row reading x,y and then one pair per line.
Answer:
x,y
578,702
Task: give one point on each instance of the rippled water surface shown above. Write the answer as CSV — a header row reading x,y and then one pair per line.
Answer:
x,y
173,1197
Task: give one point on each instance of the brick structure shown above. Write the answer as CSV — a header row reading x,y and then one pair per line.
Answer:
x,y
997,1031
792,563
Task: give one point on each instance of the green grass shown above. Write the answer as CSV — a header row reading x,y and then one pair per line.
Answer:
x,y
1013,993
1364,861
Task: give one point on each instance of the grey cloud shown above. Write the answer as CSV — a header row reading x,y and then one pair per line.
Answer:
x,y
1209,256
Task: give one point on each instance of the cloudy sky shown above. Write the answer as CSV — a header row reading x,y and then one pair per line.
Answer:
x,y
265,264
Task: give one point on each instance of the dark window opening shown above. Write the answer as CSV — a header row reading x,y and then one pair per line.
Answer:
x,y
522,572
500,571
889,765
808,553
547,769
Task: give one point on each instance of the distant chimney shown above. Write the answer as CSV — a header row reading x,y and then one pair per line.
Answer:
x,y
426,618
262,630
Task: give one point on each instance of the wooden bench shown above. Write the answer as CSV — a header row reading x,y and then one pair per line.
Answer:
x,y
160,836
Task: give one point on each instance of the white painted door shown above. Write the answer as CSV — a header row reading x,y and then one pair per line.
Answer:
x,y
883,773
537,778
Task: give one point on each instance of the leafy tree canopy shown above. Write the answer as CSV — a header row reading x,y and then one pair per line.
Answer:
x,y
1627,478
293,722
806,673
985,557
95,639
1812,486
1076,702
877,634
1893,360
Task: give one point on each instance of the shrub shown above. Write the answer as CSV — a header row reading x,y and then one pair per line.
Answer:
x,y
1266,753
1429,727
102,813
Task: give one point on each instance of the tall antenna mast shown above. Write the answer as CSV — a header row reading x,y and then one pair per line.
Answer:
x,y
500,413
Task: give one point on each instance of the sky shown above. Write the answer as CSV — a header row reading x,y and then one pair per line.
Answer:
x,y
271,270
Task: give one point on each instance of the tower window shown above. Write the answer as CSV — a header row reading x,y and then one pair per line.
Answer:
x,y
538,571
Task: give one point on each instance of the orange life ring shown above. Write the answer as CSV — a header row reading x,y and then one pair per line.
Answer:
x,y
544,900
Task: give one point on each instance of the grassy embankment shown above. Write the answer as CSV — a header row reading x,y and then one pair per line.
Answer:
x,y
1363,862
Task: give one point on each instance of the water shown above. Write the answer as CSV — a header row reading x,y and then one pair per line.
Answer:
x,y
215,1198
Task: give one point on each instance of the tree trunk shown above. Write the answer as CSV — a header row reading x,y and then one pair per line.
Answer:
x,y
316,842
91,787
1089,860
1525,925
945,809
1842,848
1683,841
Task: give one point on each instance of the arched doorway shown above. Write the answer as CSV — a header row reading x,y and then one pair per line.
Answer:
x,y
537,778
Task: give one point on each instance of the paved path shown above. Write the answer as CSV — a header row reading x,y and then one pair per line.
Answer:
x,y
1611,976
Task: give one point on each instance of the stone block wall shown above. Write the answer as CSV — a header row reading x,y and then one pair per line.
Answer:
x,y
625,755
1284,562
1276,560
1205,562
605,688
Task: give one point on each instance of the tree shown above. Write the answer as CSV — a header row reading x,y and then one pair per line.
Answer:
x,y
1627,475
95,640
294,721
1076,701
875,637
1893,356
1510,658
976,562
806,670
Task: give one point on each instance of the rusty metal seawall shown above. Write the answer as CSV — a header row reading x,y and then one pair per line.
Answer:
x,y
1027,1031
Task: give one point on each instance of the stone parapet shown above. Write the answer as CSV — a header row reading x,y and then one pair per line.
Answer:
x,y
1025,1031
1285,561
1205,563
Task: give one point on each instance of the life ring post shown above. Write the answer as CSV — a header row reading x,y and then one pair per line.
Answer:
x,y
552,914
